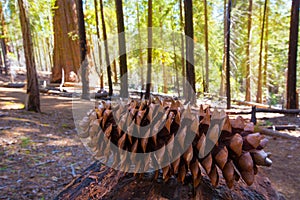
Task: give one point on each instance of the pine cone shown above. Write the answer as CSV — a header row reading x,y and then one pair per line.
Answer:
x,y
125,136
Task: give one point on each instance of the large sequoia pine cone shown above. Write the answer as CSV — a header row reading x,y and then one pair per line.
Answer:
x,y
168,137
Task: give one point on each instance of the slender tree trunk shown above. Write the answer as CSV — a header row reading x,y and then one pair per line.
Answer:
x,y
206,88
4,52
1,63
110,92
175,65
228,56
115,71
49,52
165,81
122,49
259,85
182,49
149,52
140,49
33,94
223,73
266,50
292,59
45,55
248,64
98,44
3,40
83,51
189,32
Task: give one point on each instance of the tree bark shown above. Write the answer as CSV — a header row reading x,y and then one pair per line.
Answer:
x,y
1,63
140,49
206,88
248,64
110,92
265,83
149,51
189,32
292,59
165,81
122,49
228,56
33,94
98,43
83,51
223,73
115,71
3,40
182,49
259,85
66,45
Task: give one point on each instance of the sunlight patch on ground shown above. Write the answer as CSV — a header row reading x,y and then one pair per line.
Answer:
x,y
65,142
4,98
11,105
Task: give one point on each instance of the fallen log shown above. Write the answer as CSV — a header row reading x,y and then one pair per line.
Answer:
x,y
280,111
282,127
246,103
100,182
273,133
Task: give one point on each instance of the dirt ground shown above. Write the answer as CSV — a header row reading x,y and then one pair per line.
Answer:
x,y
41,153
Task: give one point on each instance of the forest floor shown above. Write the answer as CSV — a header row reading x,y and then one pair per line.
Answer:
x,y
40,153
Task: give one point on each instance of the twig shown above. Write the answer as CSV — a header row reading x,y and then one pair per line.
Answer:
x,y
73,170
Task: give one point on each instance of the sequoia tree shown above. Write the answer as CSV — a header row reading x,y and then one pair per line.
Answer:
x,y
66,44
33,93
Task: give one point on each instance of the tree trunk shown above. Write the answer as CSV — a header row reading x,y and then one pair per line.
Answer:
x,y
33,94
248,62
110,92
228,56
3,40
206,88
292,59
122,50
149,52
182,49
83,51
259,85
98,44
115,71
165,81
140,49
66,46
175,66
265,83
223,75
189,32
1,63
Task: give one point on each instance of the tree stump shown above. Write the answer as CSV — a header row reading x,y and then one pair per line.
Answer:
x,y
100,182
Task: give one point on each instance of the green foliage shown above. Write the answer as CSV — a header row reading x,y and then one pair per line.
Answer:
x,y
166,16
